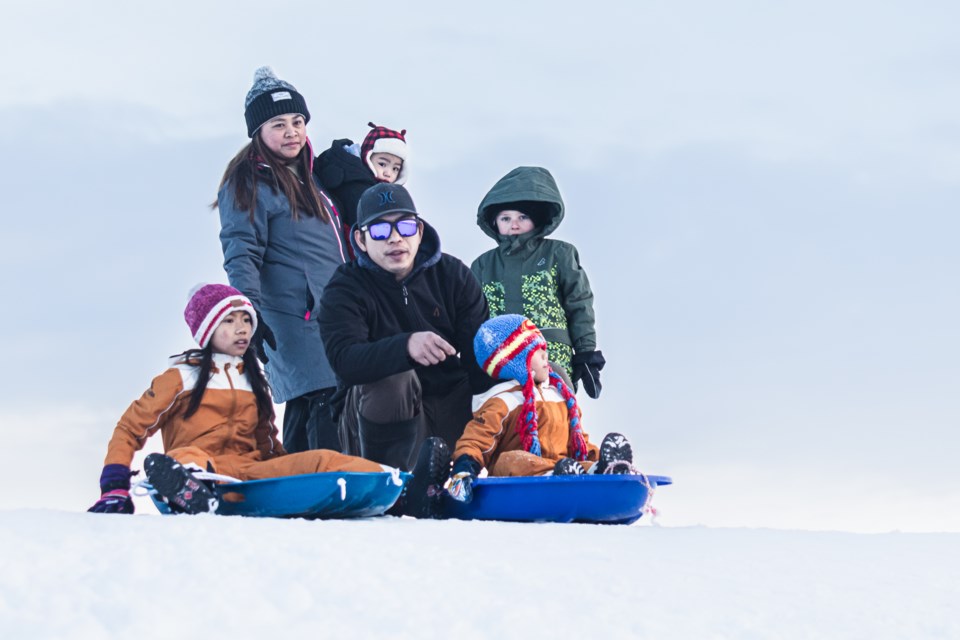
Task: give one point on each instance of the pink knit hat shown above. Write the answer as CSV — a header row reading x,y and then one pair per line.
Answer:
x,y
209,304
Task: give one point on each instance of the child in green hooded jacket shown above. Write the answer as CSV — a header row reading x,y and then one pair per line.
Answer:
x,y
537,277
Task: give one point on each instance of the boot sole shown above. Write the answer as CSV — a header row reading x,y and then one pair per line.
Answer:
x,y
425,495
614,448
565,468
177,486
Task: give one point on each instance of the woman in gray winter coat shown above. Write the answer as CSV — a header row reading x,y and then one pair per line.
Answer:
x,y
282,241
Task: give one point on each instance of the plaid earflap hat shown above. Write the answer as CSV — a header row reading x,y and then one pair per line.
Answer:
x,y
209,304
384,140
504,346
270,97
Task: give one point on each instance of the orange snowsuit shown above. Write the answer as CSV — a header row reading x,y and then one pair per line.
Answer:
x,y
491,437
226,434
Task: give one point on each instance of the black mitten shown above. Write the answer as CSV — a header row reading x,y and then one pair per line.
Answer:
x,y
262,335
586,369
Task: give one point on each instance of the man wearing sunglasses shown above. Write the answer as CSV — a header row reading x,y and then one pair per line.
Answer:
x,y
398,326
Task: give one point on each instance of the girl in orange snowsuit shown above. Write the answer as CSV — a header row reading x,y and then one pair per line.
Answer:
x,y
213,408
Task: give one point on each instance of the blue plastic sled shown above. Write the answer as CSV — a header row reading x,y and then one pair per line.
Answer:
x,y
606,499
312,495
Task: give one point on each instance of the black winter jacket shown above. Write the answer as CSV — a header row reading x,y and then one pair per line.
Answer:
x,y
367,316
345,177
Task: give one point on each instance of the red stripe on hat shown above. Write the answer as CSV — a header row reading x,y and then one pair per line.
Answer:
x,y
217,318
515,346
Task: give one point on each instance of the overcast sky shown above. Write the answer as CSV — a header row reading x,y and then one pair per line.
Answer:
x,y
765,197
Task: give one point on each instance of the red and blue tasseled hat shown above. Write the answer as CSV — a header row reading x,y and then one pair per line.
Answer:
x,y
503,347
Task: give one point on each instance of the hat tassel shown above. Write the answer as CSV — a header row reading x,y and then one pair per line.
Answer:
x,y
577,444
527,425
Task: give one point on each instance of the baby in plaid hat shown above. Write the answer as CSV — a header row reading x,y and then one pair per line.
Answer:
x,y
347,169
529,424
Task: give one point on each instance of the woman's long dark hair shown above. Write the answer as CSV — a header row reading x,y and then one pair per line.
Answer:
x,y
203,360
255,162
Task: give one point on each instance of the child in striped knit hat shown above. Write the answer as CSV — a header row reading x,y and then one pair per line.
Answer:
x,y
529,424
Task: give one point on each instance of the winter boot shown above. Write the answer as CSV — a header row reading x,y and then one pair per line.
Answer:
x,y
391,443
567,467
423,495
177,486
616,455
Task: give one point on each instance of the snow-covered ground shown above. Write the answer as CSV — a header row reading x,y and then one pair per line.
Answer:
x,y
78,575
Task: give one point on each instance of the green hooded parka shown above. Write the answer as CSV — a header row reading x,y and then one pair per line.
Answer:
x,y
532,275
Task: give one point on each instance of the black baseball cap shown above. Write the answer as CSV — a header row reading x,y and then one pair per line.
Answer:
x,y
382,200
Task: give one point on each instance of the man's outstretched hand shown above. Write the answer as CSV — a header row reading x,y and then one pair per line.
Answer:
x,y
427,348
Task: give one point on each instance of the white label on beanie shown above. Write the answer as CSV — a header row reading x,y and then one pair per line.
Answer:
x,y
281,95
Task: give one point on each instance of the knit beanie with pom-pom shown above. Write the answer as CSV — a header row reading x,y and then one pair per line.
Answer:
x,y
270,97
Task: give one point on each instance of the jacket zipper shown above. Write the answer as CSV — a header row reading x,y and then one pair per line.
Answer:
x,y
406,300
233,400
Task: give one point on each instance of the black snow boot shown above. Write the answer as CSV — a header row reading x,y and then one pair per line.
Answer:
x,y
391,443
177,486
567,467
423,495
616,455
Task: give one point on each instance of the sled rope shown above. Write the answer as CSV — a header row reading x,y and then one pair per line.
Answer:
x,y
142,488
218,477
647,507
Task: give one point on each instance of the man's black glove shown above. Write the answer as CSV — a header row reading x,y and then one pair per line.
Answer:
x,y
262,335
586,368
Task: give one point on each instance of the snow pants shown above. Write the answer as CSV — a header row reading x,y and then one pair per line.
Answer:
x,y
250,467
524,463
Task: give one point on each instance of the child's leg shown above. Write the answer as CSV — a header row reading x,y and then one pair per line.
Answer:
x,y
193,455
521,463
318,461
